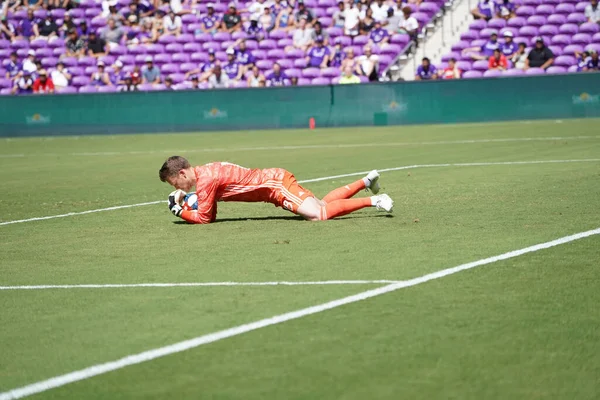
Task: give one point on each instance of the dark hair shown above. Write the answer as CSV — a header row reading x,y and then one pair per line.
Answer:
x,y
453,59
172,166
426,59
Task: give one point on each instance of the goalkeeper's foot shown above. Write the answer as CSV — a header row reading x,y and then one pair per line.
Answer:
x,y
371,181
383,202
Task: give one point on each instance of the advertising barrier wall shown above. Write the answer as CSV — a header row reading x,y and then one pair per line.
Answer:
x,y
474,100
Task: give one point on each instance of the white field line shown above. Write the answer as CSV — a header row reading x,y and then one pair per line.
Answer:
x,y
149,355
305,147
326,178
194,284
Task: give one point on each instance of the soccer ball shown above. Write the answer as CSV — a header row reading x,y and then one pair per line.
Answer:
x,y
190,202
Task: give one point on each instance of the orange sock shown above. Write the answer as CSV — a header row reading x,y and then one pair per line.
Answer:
x,y
341,207
345,192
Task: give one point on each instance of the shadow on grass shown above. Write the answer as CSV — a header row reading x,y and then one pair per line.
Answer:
x,y
286,218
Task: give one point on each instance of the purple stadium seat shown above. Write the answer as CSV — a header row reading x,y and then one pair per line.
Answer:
x,y
320,81
335,31
56,43
264,64
492,73
556,50
283,43
90,70
513,72
581,5
166,39
447,57
66,90
259,54
185,67
76,71
577,18
544,9
80,81
464,65
581,38
393,49
107,60
137,50
221,36
203,38
300,63
487,32
162,58
145,87
177,78
105,89
5,91
45,52
589,27
565,61
155,48
525,11
596,37
4,44
278,34
38,43
275,54
469,35
345,41
564,8
295,53
528,31
326,21
568,29
478,24
175,48
478,42
69,61
210,45
573,68
285,63
330,72
189,19
5,83
536,20
77,13
572,48
472,74
462,44
556,20
517,22
185,38
550,30
398,38
496,23
559,40
251,44
385,59
293,72
221,56
480,65
522,39
238,35
192,47
532,2
535,71
196,57
140,58
4,54
267,44
430,8
48,62
593,46
98,22
360,40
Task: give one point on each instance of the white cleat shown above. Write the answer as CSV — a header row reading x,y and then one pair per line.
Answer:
x,y
372,183
384,202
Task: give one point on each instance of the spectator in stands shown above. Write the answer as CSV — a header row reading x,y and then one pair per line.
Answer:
x,y
128,86
278,5
145,8
351,19
509,47
29,62
592,64
368,64
244,58
394,19
158,26
498,61
518,59
28,27
24,84
114,14
285,19
337,19
304,12
254,77
256,8
210,22
218,80
75,46
83,31
380,10
132,21
318,31
106,5
96,46
48,28
367,23
100,77
169,83
7,29
318,55
485,51
426,71
232,68
232,20
409,24
262,82
451,71
60,76
592,12
205,69
277,77
67,25
13,66
112,34
348,77
12,6
172,23
136,76
379,35
302,35
181,7
195,82
338,55
144,35
118,76
38,67
42,84
254,30
150,72
486,9
506,9
294,81
582,59
540,56
267,20
350,61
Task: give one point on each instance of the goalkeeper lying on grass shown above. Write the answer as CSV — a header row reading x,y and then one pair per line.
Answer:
x,y
222,181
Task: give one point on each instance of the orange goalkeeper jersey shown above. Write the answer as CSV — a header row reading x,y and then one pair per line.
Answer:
x,y
222,181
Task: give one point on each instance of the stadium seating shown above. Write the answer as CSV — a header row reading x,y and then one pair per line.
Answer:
x,y
176,55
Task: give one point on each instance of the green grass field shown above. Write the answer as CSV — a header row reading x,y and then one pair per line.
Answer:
x,y
523,328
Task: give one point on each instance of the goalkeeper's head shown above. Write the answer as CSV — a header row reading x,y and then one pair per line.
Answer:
x,y
178,172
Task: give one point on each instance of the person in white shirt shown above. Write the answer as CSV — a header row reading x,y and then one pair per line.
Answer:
x,y
592,12
29,62
60,76
351,19
394,21
409,25
106,4
368,64
303,35
257,7
218,80
380,10
172,23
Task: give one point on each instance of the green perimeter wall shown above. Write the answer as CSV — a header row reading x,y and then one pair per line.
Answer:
x,y
476,100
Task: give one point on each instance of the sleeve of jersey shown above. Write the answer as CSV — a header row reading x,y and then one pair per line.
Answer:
x,y
207,204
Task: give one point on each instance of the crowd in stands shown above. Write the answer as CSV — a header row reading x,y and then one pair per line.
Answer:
x,y
126,45
538,37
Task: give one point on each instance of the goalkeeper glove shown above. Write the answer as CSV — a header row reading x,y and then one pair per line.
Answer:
x,y
174,207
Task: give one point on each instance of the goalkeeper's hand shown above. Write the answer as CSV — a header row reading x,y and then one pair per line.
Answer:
x,y
174,206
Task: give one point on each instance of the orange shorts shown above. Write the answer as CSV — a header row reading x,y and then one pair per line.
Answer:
x,y
292,195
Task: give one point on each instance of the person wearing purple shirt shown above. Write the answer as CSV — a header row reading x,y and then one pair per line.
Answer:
x,y
592,63
277,77
505,9
28,26
485,51
426,71
205,69
254,31
24,84
244,57
13,67
379,35
338,55
486,9
7,29
318,55
582,60
117,77
210,22
509,47
232,68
